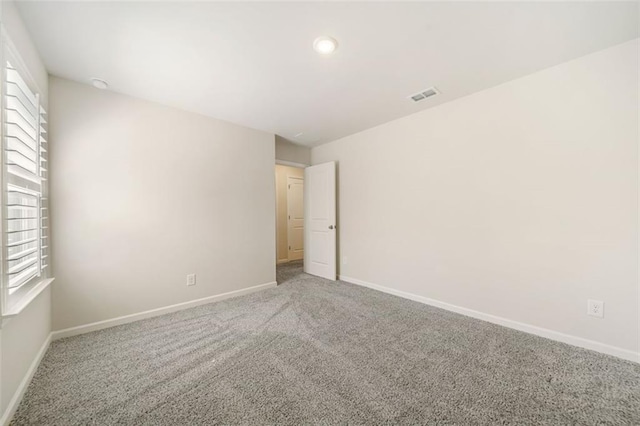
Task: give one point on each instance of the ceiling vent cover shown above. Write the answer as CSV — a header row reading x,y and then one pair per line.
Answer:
x,y
427,93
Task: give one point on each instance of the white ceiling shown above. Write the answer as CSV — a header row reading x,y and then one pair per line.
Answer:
x,y
253,63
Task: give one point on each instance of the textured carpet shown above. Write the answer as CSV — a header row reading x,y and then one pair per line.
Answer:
x,y
318,352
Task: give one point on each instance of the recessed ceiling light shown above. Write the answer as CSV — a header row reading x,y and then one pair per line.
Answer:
x,y
325,45
99,83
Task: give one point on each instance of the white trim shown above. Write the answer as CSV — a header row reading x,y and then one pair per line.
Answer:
x,y
88,328
291,164
24,384
527,328
15,55
26,299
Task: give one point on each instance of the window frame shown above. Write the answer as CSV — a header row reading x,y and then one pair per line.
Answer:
x,y
12,301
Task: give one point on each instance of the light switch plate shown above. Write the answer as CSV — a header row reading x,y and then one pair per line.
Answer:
x,y
191,279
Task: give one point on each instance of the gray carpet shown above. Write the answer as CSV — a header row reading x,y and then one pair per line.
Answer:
x,y
318,352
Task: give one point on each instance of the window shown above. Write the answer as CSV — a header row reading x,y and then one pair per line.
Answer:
x,y
25,206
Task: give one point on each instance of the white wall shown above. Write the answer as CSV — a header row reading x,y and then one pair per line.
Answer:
x,y
23,336
287,151
142,195
520,201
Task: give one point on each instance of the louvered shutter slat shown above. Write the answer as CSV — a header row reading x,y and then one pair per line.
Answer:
x,y
23,158
44,202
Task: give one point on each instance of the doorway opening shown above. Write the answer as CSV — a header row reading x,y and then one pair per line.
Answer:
x,y
289,215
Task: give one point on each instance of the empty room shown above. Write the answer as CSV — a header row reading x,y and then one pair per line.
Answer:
x,y
301,213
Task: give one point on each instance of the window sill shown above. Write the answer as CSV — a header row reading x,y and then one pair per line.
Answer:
x,y
26,299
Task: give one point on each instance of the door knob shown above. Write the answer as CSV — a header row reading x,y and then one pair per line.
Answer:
x,y
330,226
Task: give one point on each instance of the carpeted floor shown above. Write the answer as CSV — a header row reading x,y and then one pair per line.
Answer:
x,y
318,352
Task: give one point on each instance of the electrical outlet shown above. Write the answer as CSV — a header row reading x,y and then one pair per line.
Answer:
x,y
191,279
345,260
595,308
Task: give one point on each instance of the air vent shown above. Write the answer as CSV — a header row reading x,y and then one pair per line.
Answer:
x,y
427,93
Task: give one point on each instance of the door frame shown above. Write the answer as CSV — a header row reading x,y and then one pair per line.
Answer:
x,y
301,166
292,164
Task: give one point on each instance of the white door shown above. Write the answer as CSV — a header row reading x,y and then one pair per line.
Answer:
x,y
320,220
295,217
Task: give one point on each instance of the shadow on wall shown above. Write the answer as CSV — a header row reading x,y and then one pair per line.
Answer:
x,y
292,154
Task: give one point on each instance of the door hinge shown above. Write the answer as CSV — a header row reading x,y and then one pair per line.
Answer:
x,y
289,186
289,217
289,247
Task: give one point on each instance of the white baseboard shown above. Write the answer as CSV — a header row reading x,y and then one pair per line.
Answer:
x,y
24,384
87,328
527,328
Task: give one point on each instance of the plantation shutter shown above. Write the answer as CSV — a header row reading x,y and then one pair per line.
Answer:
x,y
44,188
23,181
